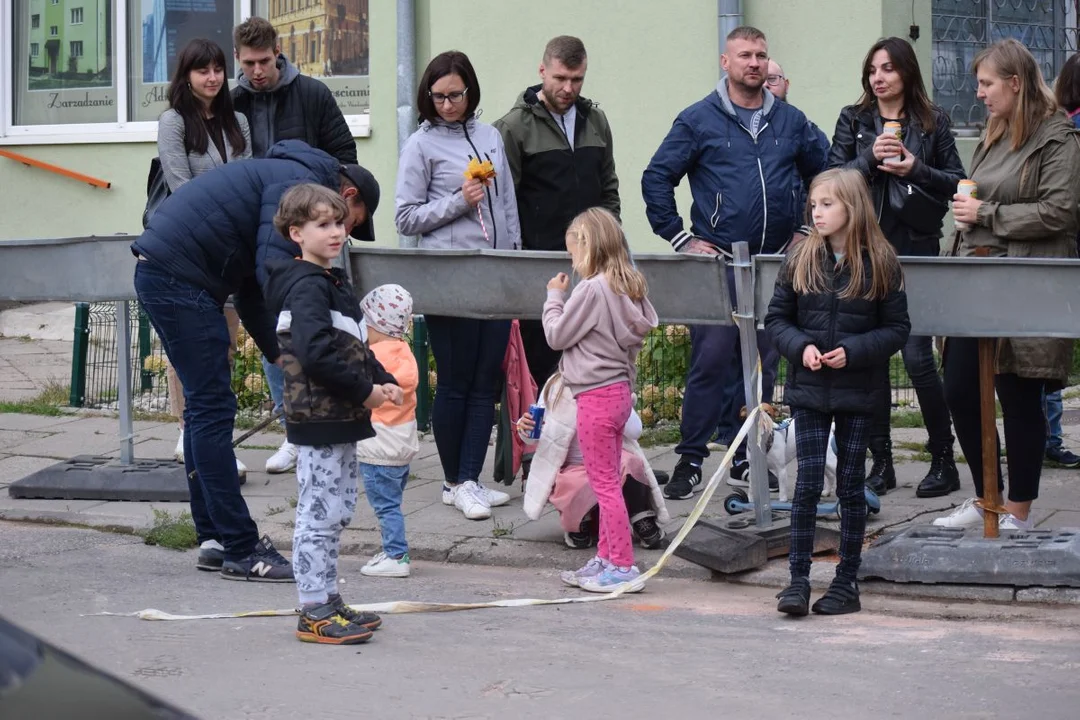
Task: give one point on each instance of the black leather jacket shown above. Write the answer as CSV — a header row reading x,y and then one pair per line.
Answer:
x,y
937,170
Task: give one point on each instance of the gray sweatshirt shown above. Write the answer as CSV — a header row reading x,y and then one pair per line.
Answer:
x,y
599,331
428,200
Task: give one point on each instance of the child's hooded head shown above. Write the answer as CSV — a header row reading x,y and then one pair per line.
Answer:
x,y
388,309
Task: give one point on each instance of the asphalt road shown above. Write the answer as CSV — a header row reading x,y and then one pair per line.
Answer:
x,y
681,649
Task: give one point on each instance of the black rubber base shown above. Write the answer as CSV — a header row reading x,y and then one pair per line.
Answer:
x,y
88,477
736,544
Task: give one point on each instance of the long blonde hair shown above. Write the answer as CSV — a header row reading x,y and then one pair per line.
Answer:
x,y
863,235
1034,102
606,251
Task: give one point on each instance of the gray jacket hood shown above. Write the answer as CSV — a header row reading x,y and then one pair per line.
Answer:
x,y
428,202
289,72
729,107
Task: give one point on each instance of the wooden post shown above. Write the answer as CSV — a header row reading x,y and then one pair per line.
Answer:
x,y
991,498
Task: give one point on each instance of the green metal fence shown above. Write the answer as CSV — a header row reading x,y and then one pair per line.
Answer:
x,y
662,368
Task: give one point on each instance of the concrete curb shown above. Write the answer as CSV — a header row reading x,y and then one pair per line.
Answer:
x,y
533,555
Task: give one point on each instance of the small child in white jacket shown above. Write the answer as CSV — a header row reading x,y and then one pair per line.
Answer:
x,y
384,459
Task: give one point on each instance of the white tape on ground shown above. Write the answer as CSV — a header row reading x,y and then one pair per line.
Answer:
x,y
398,607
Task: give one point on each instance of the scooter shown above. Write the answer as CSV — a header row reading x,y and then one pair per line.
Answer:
x,y
739,502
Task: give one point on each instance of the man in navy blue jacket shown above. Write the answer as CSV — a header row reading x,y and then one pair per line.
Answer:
x,y
744,153
209,240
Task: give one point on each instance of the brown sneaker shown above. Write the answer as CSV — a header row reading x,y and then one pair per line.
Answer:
x,y
323,624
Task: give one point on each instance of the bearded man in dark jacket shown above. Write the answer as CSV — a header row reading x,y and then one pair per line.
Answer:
x,y
208,241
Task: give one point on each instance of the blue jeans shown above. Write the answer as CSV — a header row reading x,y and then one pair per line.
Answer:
x,y
192,329
714,388
275,380
384,485
468,357
1053,409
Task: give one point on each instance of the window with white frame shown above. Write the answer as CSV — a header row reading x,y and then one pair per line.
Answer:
x,y
82,82
961,28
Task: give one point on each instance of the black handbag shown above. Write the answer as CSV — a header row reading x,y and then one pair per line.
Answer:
x,y
914,207
156,190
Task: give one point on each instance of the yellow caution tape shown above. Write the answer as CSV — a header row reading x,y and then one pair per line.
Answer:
x,y
399,607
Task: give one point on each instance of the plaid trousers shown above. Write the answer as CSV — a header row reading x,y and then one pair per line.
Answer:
x,y
811,439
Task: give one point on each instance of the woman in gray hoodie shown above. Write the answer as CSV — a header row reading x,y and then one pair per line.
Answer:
x,y
447,210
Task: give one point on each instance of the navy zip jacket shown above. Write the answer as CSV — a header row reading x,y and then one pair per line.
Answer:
x,y
216,232
744,188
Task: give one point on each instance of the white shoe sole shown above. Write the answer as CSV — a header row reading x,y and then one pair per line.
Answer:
x,y
395,573
635,586
482,514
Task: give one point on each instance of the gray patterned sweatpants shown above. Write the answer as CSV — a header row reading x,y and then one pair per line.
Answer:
x,y
327,476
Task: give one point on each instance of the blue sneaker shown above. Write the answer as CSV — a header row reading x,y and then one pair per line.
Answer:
x,y
590,570
613,578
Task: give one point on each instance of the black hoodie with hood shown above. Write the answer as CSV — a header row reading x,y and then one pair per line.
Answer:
x,y
329,370
297,108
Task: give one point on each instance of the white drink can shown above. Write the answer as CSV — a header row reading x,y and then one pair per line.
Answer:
x,y
893,128
970,189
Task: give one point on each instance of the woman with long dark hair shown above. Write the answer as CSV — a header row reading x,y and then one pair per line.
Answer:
x,y
455,191
1028,192
197,133
912,174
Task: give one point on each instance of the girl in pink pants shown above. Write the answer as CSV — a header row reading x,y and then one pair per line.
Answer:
x,y
600,329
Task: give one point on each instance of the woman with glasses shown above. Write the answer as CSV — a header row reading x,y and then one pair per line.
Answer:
x,y
451,204
903,145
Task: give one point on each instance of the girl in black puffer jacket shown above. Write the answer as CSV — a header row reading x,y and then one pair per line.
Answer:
x,y
839,312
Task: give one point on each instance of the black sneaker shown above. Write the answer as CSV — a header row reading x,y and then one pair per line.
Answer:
x,y
264,564
740,476
368,620
841,598
210,558
685,481
324,624
648,532
1061,457
795,598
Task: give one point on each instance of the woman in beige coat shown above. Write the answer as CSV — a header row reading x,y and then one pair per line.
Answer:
x,y
1025,168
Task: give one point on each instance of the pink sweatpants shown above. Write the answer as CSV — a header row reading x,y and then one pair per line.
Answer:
x,y
601,417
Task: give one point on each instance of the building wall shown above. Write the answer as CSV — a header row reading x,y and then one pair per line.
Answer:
x,y
646,65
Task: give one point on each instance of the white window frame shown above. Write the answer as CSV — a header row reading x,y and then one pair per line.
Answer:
x,y
71,18
122,131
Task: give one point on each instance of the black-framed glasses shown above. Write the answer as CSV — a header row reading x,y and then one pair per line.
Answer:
x,y
773,79
454,97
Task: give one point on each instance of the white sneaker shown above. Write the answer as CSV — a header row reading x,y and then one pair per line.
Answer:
x,y
283,460
382,565
493,498
178,453
1008,521
241,469
466,499
967,515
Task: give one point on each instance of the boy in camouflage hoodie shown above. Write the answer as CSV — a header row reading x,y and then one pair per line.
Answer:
x,y
332,381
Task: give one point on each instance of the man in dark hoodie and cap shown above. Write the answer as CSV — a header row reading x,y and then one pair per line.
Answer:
x,y
208,241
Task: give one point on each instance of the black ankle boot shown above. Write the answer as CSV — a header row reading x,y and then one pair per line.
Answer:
x,y
795,598
943,477
881,477
841,598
